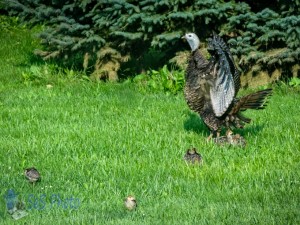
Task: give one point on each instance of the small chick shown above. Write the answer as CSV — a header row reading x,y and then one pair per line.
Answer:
x,y
222,140
192,156
130,203
235,140
32,174
238,140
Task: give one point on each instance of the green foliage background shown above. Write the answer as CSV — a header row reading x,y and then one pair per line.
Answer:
x,y
146,34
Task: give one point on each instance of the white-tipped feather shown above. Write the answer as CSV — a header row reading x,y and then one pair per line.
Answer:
x,y
222,92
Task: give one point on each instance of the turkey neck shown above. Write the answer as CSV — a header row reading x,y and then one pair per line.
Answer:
x,y
196,62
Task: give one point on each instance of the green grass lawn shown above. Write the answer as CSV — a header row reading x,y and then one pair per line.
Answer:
x,y
98,143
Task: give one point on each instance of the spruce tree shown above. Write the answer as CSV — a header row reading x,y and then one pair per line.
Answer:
x,y
267,39
101,36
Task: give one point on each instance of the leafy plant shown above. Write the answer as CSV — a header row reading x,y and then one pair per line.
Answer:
x,y
43,74
9,23
34,74
294,82
163,79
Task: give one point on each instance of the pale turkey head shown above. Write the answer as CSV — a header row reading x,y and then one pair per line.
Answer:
x,y
193,40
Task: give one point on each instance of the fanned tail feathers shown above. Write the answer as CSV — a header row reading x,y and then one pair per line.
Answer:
x,y
256,100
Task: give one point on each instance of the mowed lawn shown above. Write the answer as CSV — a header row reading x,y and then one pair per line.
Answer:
x,y
94,144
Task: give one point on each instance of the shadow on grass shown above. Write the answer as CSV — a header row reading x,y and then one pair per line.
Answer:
x,y
195,124
250,129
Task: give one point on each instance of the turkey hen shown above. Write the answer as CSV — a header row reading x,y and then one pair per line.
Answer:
x,y
212,85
